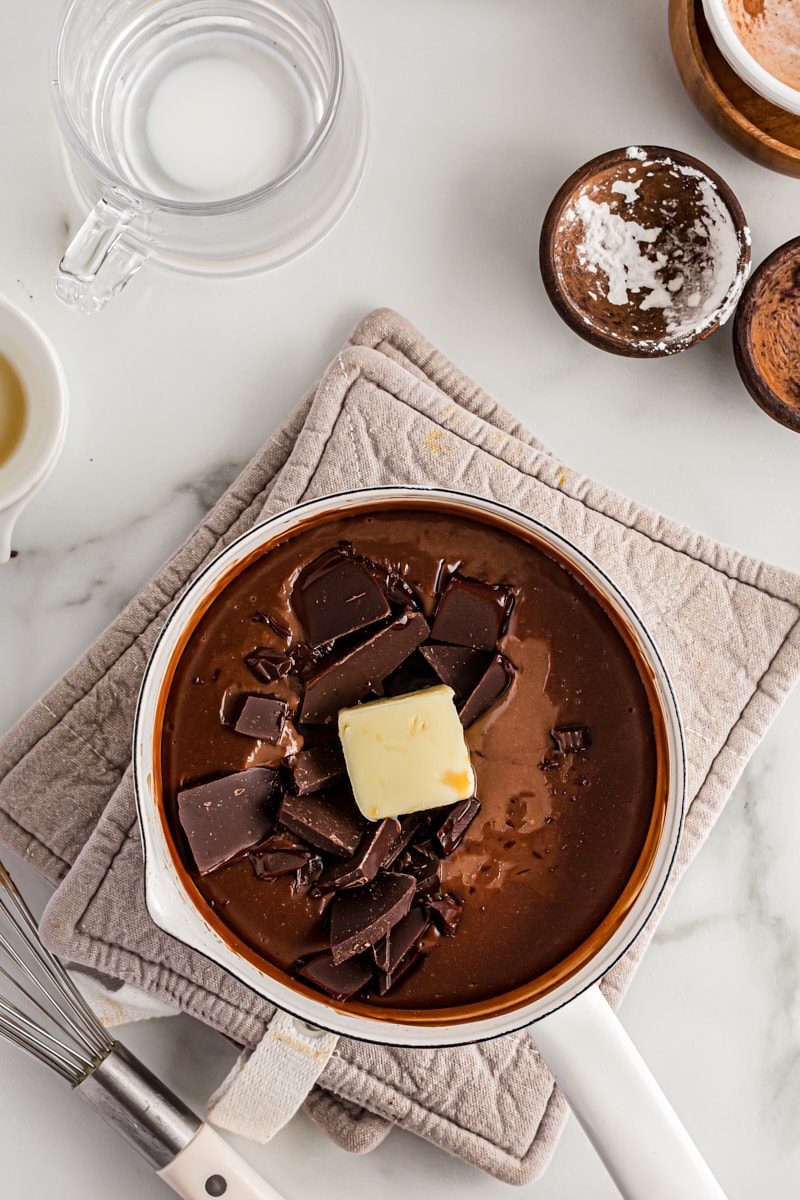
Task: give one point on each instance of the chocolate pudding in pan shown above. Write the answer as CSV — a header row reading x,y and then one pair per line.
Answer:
x,y
411,903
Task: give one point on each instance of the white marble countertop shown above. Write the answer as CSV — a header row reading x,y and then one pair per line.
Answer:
x,y
479,110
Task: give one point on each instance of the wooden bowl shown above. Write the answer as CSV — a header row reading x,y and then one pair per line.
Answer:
x,y
751,124
766,335
644,251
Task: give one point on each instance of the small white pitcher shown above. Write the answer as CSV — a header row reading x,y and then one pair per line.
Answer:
x,y
38,369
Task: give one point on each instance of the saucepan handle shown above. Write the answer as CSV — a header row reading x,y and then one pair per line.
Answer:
x,y
626,1116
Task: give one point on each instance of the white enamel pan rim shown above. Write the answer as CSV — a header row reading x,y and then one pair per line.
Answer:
x,y
175,912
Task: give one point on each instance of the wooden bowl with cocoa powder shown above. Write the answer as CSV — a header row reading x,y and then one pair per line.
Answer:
x,y
766,335
644,251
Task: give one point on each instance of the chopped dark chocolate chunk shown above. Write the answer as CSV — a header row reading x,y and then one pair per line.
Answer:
x,y
490,688
342,682
225,818
262,717
387,980
425,867
456,824
472,613
279,855
446,912
315,768
366,862
411,676
398,941
361,917
376,692
460,667
342,982
409,827
268,665
336,594
571,738
328,820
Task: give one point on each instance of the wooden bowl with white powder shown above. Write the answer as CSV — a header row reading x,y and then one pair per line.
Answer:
x,y
644,251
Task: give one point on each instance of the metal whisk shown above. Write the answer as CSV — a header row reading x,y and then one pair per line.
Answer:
x,y
43,1012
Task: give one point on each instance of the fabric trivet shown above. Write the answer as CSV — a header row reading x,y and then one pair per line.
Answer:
x,y
390,409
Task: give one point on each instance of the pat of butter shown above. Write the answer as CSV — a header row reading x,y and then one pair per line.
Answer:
x,y
406,753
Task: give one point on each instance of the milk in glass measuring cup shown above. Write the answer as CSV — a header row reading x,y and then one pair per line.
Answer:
x,y
211,136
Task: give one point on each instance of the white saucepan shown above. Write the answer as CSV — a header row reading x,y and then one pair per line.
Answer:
x,y
643,1145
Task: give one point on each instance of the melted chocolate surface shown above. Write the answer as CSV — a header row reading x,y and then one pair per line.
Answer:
x,y
552,847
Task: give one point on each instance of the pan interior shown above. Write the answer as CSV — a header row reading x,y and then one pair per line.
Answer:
x,y
612,925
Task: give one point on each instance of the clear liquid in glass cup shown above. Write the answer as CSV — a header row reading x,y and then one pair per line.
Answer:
x,y
211,136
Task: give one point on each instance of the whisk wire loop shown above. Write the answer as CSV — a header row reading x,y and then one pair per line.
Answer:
x,y
55,1024
13,1017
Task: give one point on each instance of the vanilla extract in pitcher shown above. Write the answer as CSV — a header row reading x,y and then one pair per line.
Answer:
x,y
13,410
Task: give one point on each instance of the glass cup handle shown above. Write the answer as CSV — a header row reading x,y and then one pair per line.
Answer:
x,y
100,259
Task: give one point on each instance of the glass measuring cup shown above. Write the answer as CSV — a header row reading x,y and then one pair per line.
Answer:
x,y
219,137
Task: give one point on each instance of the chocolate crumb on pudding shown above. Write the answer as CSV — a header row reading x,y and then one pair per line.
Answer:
x,y
524,759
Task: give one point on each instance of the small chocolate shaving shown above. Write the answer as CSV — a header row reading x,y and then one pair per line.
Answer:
x,y
446,912
386,981
277,627
394,586
360,918
267,665
307,874
472,613
425,867
328,820
306,657
365,864
572,738
496,679
336,595
279,856
460,667
262,717
456,824
342,682
315,768
551,761
226,817
395,946
342,981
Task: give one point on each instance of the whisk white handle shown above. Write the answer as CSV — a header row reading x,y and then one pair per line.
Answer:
x,y
210,1167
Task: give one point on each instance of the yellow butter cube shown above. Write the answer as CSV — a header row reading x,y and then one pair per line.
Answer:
x,y
406,753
